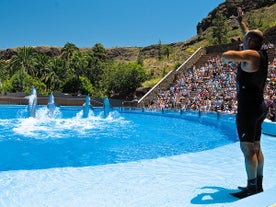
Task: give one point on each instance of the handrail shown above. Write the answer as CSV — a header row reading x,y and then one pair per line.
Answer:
x,y
190,60
152,89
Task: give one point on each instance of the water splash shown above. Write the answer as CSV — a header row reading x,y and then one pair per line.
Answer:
x,y
45,127
52,107
32,102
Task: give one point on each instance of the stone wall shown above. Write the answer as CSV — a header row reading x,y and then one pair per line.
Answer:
x,y
60,100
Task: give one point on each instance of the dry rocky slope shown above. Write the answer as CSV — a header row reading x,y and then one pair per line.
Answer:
x,y
131,53
228,8
181,49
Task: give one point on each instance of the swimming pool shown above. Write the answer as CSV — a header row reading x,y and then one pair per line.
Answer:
x,y
66,139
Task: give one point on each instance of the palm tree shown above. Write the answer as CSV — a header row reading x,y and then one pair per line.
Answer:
x,y
68,50
4,72
41,63
98,62
53,73
24,60
219,29
79,63
99,52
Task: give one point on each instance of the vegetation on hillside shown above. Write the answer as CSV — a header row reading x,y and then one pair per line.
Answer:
x,y
74,72
262,19
104,72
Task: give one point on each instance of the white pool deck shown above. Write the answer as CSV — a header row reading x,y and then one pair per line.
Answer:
x,y
196,179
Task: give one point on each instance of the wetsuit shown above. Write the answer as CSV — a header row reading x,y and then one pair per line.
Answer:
x,y
252,109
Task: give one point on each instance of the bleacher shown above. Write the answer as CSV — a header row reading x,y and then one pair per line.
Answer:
x,y
199,59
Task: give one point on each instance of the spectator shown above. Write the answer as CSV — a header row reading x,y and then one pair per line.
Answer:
x,y
198,88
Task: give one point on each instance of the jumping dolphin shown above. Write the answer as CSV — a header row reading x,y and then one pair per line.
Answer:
x,y
32,103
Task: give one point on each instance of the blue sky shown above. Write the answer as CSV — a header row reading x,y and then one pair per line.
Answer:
x,y
113,23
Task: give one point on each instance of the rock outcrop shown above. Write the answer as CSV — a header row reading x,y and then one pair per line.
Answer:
x,y
229,8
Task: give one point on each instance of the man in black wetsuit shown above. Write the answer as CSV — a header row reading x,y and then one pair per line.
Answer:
x,y
252,110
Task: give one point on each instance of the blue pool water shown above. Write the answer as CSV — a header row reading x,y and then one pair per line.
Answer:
x,y
65,139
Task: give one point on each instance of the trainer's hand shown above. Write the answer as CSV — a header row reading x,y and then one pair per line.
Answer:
x,y
237,18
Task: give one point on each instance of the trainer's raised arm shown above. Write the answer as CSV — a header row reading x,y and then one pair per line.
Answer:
x,y
238,19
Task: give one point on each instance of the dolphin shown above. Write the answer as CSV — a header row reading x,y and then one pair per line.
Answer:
x,y
32,103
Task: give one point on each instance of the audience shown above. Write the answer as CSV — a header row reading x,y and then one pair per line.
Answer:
x,y
209,88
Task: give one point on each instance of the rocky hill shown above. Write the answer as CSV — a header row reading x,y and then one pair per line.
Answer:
x,y
228,8
179,51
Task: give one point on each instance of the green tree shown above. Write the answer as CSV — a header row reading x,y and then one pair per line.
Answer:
x,y
79,63
253,23
4,71
17,81
167,51
62,72
24,60
50,78
71,85
100,52
4,77
41,63
219,29
21,81
160,56
86,86
124,78
98,63
68,50
140,58
77,85
5,87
